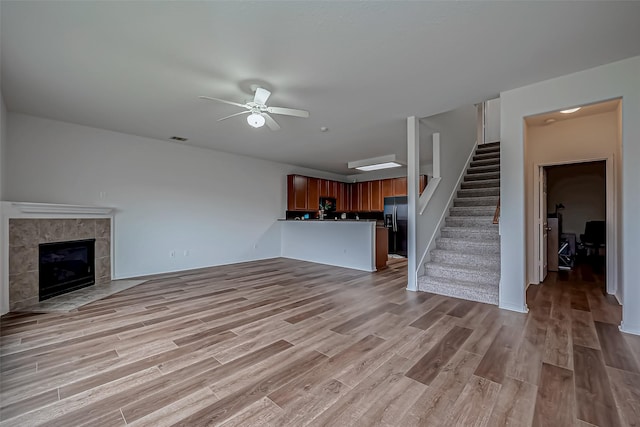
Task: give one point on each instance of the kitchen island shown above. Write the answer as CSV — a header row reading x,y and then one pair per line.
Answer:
x,y
343,243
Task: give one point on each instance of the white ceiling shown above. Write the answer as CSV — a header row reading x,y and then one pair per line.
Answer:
x,y
360,68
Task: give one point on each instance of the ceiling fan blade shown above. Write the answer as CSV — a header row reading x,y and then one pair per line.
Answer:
x,y
261,96
233,115
273,125
223,101
288,111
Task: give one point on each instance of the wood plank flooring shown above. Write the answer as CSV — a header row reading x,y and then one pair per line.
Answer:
x,y
290,343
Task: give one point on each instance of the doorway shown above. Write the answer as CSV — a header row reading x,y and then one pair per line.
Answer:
x,y
589,134
573,210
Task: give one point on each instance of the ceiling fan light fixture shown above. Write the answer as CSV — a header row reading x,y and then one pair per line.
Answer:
x,y
256,120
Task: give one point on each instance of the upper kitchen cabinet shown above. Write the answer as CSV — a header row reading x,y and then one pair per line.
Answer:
x,y
297,193
387,188
400,186
314,187
343,196
376,199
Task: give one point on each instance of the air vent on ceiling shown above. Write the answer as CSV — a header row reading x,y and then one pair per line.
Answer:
x,y
178,138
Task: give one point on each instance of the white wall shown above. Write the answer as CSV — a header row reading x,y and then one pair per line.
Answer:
x,y
581,189
619,79
457,130
582,138
4,290
3,144
492,120
221,208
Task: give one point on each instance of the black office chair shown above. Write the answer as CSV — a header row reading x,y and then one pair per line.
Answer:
x,y
594,238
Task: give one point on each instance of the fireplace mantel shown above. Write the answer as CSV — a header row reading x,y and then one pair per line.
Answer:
x,y
57,209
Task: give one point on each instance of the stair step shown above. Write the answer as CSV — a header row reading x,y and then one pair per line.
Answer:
x,y
476,201
470,221
481,176
485,162
485,234
460,289
489,146
465,259
482,169
480,275
489,155
485,150
478,192
470,246
472,211
486,183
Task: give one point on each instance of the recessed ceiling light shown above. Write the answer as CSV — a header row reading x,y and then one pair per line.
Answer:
x,y
550,120
324,129
570,110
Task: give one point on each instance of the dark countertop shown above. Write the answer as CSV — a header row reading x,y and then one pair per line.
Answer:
x,y
328,220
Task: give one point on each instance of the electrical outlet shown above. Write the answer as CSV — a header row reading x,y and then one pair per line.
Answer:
x,y
172,254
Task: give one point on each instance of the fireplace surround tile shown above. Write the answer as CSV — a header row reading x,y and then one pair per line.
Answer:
x,y
103,269
51,230
102,248
23,259
23,287
103,229
77,229
23,232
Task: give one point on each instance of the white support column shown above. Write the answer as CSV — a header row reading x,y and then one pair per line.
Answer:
x,y
413,173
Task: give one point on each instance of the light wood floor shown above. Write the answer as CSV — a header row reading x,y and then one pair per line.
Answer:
x,y
284,342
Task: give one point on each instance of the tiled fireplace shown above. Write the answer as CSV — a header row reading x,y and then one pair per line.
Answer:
x,y
27,229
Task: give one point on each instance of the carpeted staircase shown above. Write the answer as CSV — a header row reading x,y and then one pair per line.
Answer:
x,y
466,261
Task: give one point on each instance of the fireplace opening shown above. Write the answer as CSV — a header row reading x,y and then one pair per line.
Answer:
x,y
66,266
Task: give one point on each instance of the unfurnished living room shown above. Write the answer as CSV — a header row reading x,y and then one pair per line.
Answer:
x,y
319,213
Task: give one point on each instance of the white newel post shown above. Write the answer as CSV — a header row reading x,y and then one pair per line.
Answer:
x,y
413,172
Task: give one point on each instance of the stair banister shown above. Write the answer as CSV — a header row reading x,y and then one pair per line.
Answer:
x,y
496,215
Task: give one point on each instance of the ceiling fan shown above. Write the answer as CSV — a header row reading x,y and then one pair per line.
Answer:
x,y
258,110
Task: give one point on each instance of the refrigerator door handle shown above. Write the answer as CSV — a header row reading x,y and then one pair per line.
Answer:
x,y
395,219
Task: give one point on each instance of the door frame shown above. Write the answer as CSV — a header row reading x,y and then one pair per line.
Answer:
x,y
613,225
542,224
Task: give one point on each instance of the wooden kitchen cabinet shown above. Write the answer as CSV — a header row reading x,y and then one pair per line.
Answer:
x,y
355,199
296,193
342,197
313,194
387,188
304,193
377,201
400,186
365,196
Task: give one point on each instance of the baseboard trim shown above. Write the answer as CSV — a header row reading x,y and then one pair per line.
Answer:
x,y
634,330
514,307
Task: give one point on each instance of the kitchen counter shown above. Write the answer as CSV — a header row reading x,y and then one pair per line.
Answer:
x,y
343,243
328,220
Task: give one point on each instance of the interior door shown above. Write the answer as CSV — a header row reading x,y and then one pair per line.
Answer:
x,y
543,225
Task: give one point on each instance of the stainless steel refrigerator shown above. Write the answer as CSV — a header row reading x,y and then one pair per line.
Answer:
x,y
395,219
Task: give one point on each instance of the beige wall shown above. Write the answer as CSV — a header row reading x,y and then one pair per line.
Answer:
x,y
581,189
567,141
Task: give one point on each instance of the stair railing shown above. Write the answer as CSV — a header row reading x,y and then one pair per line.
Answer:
x,y
496,215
